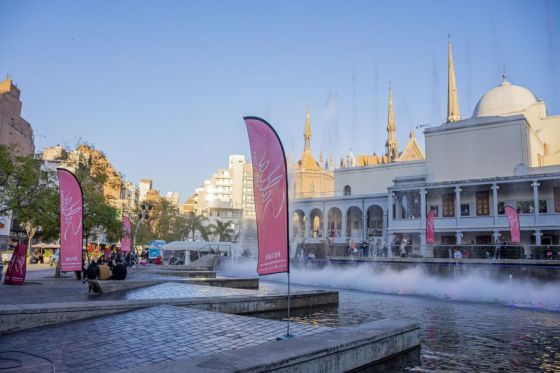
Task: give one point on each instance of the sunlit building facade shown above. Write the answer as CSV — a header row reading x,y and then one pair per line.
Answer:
x,y
120,193
310,178
227,195
15,131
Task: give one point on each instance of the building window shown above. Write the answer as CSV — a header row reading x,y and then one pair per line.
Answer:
x,y
347,190
435,209
542,206
557,199
448,240
448,205
525,207
501,208
465,209
484,240
482,203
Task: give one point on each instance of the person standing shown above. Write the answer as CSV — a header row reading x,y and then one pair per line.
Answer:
x,y
403,248
119,271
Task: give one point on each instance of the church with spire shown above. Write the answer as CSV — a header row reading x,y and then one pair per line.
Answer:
x,y
411,151
506,153
310,178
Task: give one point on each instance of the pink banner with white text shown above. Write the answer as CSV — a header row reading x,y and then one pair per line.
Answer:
x,y
430,227
513,220
271,196
125,241
71,215
15,274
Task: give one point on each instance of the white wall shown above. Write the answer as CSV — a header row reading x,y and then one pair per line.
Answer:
x,y
476,148
375,179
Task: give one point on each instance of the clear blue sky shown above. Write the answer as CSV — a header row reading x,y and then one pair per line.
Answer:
x,y
162,86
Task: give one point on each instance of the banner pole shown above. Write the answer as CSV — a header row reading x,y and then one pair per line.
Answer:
x,y
289,304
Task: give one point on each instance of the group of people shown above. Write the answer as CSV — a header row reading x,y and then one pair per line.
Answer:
x,y
400,247
107,268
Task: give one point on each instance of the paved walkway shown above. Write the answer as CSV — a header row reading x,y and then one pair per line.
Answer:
x,y
40,286
138,338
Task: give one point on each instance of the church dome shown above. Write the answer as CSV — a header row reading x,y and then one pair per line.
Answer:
x,y
505,99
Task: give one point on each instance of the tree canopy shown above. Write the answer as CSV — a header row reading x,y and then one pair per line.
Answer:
x,y
223,230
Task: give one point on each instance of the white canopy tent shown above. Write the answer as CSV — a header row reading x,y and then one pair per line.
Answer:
x,y
184,249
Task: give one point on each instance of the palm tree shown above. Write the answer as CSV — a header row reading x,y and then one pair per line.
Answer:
x,y
197,223
223,230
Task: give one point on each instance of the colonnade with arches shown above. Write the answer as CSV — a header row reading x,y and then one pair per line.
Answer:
x,y
338,222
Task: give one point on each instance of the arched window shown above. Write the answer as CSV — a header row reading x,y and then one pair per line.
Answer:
x,y
374,221
347,190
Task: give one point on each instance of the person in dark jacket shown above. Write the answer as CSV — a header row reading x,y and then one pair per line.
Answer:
x,y
119,271
92,275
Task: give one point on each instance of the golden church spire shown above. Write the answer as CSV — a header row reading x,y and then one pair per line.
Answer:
x,y
453,114
307,132
391,146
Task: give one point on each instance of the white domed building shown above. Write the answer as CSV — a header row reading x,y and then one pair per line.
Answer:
x,y
506,154
506,99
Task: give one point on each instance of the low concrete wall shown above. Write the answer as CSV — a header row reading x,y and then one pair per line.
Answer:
x,y
19,317
184,273
111,286
339,350
236,283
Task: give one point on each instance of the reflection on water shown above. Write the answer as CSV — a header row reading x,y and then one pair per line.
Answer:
x,y
457,336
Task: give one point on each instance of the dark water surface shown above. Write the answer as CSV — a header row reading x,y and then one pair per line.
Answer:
x,y
455,336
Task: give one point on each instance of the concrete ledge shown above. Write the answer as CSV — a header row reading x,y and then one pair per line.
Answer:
x,y
184,273
24,316
236,283
340,350
185,268
110,286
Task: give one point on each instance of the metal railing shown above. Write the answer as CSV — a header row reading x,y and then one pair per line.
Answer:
x,y
485,251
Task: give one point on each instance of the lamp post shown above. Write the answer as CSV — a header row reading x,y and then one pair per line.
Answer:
x,y
143,215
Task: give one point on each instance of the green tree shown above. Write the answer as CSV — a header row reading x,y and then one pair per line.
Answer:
x,y
222,230
196,223
162,221
28,195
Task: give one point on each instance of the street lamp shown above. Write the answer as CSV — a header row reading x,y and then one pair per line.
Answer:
x,y
143,215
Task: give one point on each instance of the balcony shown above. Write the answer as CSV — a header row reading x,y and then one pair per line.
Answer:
x,y
527,221
405,224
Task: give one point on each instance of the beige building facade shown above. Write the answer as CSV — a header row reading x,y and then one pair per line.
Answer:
x,y
15,131
121,194
308,177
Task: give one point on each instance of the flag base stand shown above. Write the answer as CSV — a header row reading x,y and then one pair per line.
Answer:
x,y
285,337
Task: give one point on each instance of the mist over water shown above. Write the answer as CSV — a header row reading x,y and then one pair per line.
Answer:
x,y
474,286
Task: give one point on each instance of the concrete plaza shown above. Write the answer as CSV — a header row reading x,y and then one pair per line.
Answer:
x,y
139,338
